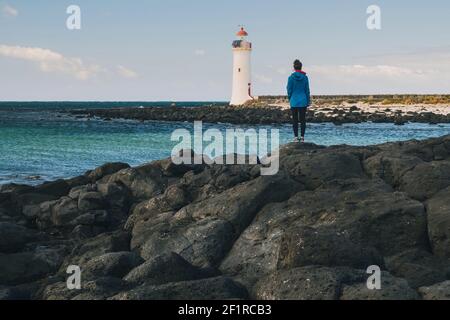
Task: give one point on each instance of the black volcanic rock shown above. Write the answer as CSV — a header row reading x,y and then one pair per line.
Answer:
x,y
438,210
165,231
257,114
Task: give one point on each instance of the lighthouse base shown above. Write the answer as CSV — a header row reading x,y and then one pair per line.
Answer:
x,y
240,101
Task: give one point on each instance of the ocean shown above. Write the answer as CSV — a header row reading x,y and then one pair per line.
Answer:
x,y
40,143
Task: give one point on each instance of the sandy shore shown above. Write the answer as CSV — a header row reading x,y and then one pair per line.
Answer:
x,y
440,109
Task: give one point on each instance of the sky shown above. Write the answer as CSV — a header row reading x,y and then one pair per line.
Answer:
x,y
178,50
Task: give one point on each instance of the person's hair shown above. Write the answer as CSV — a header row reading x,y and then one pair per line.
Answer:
x,y
298,65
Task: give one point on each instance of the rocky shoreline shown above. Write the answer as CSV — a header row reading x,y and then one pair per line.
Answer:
x,y
165,231
262,113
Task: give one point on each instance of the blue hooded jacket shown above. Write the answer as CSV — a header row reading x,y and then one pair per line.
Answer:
x,y
298,90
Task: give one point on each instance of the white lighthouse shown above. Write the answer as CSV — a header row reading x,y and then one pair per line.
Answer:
x,y
242,84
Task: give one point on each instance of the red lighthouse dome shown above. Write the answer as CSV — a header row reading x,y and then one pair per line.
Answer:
x,y
242,33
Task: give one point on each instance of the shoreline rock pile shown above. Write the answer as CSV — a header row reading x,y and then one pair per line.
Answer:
x,y
165,231
261,114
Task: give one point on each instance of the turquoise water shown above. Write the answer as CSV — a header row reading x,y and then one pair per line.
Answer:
x,y
39,144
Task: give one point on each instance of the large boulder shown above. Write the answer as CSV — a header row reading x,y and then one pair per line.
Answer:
x,y
91,201
23,267
392,288
116,195
144,182
418,267
354,222
117,241
313,168
219,288
438,211
98,289
105,170
14,237
304,246
165,268
204,231
64,211
308,283
113,264
438,291
426,179
390,166
56,188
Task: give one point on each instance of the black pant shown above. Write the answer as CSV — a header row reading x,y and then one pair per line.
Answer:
x,y
299,114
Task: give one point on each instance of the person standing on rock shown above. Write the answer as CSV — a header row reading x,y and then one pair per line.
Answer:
x,y
299,99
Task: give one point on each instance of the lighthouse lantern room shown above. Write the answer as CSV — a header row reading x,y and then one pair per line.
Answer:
x,y
242,50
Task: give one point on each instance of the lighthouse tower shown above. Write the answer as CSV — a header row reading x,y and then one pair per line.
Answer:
x,y
242,50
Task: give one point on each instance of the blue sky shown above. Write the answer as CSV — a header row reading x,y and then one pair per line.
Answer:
x,y
181,50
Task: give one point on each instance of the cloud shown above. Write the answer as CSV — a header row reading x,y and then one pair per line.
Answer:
x,y
51,62
279,70
126,72
263,78
395,77
199,52
9,11
358,70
